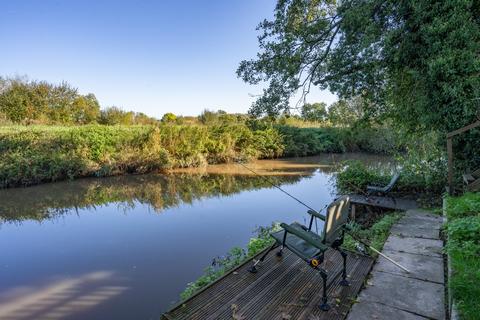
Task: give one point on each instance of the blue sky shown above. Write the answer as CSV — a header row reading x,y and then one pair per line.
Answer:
x,y
149,56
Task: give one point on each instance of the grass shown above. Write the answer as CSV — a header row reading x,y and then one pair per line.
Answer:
x,y
463,247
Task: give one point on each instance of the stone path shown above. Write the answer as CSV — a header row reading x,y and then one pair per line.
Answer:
x,y
393,294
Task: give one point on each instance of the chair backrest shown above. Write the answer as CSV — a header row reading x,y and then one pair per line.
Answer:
x,y
392,182
337,216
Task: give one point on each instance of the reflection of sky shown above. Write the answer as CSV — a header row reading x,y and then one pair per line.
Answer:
x,y
59,298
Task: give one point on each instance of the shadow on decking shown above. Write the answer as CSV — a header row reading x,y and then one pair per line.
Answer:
x,y
283,288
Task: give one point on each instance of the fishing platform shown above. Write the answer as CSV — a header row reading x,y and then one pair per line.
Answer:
x,y
398,204
283,288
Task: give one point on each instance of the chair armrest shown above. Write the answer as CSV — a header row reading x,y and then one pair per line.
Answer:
x,y
305,235
376,188
316,214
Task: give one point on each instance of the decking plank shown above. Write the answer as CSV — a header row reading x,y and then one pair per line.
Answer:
x,y
285,287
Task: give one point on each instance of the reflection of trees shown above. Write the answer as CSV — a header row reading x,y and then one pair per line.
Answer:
x,y
158,191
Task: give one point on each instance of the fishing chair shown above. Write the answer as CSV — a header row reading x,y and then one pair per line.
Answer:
x,y
310,246
383,190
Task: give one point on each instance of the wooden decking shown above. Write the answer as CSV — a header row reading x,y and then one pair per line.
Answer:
x,y
283,288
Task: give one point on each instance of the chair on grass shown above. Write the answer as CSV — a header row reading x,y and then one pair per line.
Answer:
x,y
383,190
310,246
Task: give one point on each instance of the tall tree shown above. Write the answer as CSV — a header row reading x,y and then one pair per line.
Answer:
x,y
314,111
418,62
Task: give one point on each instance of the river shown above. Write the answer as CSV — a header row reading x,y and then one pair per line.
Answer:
x,y
125,247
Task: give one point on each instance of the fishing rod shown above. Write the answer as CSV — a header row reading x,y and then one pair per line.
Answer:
x,y
307,206
376,251
279,188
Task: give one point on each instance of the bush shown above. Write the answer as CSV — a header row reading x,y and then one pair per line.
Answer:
x,y
38,154
416,175
310,141
35,154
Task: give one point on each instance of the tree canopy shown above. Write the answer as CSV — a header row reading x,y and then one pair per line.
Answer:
x,y
417,62
314,111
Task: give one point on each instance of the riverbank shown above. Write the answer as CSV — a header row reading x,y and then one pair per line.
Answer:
x,y
38,154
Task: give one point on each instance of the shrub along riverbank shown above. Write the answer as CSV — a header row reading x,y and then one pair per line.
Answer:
x,y
418,174
36,154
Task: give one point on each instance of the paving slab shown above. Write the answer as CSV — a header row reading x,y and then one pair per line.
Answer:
x,y
420,223
419,297
423,214
393,294
369,311
414,231
421,267
428,247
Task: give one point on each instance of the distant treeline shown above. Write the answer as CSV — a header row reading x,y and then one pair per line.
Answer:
x,y
39,102
30,102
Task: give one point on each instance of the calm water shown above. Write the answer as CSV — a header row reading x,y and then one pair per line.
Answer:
x,y
125,247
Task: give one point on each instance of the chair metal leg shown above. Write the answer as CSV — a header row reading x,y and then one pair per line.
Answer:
x,y
324,305
344,282
253,268
280,252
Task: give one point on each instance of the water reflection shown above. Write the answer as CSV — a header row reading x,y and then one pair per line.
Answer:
x,y
60,299
157,191
161,192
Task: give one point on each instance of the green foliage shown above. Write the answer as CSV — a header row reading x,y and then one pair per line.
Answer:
x,y
376,235
234,258
346,113
310,141
423,168
465,229
169,118
355,177
115,116
314,111
415,62
371,139
466,205
34,102
38,154
463,247
28,102
464,282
